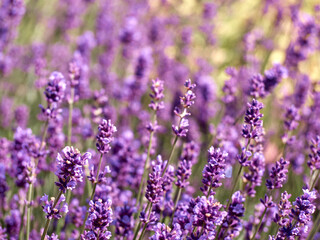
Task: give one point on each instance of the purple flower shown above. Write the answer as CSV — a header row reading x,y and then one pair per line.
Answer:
x,y
278,174
52,237
232,225
56,87
207,213
155,183
273,76
182,129
257,86
162,231
314,156
124,222
70,167
214,170
253,125
52,209
253,178
100,217
284,209
157,95
183,173
267,201
105,136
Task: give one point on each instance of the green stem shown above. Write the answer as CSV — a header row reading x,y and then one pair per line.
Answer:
x,y
29,210
70,116
30,190
315,180
139,225
48,220
146,164
170,156
257,229
21,221
92,195
145,225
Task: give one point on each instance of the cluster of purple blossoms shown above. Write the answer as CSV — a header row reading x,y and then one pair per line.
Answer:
x,y
162,231
253,125
207,213
53,207
105,136
188,158
100,217
155,183
278,174
186,101
232,225
55,92
70,164
214,170
314,156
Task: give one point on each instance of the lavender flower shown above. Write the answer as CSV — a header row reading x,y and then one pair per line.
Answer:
x,y
104,137
253,125
207,213
56,87
53,209
214,170
124,222
155,183
162,231
278,174
314,156
70,167
273,76
100,217
284,209
232,225
156,95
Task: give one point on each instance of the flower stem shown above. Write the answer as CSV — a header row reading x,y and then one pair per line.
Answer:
x,y
146,164
48,220
30,190
29,210
315,180
170,156
145,225
258,227
138,227
70,116
92,195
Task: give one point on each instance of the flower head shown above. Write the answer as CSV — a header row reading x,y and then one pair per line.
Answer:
x,y
70,164
105,136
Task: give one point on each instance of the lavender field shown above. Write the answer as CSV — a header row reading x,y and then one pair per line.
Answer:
x,y
159,119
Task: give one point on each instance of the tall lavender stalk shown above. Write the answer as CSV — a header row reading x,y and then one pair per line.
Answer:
x,y
70,164
156,105
104,138
54,93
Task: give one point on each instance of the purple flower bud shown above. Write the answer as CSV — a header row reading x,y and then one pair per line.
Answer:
x,y
278,174
56,87
182,129
104,137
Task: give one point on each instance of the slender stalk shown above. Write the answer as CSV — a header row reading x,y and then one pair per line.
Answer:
x,y
30,190
145,225
258,227
48,220
171,154
146,164
29,210
139,225
175,204
92,195
21,221
315,180
70,116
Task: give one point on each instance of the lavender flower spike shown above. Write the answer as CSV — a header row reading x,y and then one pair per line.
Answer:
x,y
100,217
104,137
70,167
